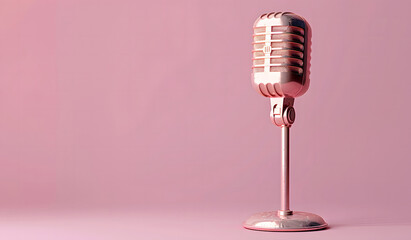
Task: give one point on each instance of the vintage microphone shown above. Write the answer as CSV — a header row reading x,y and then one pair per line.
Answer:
x,y
281,65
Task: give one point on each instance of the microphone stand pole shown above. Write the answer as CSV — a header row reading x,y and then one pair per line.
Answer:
x,y
285,171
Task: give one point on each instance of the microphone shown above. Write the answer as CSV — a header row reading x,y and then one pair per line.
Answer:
x,y
281,62
280,71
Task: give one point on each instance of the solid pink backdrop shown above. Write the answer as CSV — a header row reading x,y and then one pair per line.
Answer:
x,y
131,104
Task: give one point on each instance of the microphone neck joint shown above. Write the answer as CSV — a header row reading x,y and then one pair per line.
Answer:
x,y
282,111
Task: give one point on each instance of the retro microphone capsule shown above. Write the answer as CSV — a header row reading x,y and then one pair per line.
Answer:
x,y
281,68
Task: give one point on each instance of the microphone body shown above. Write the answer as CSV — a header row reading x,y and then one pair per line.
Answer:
x,y
281,62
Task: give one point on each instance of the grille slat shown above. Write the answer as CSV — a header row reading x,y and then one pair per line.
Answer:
x,y
280,46
288,29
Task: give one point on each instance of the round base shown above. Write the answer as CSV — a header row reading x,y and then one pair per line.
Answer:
x,y
272,221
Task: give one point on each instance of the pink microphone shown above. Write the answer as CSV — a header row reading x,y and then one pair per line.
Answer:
x,y
281,69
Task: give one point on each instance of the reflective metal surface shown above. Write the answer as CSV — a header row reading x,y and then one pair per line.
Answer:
x,y
285,170
273,221
281,65
281,55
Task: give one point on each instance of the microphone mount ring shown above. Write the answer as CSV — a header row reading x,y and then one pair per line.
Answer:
x,y
282,111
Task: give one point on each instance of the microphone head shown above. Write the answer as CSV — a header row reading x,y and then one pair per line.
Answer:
x,y
281,55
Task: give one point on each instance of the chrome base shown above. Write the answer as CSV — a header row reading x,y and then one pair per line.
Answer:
x,y
275,221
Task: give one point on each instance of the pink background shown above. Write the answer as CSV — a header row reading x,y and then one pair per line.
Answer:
x,y
146,107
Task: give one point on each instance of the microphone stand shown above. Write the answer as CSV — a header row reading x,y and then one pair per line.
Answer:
x,y
283,115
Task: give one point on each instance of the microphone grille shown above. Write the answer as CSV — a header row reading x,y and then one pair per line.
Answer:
x,y
278,47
